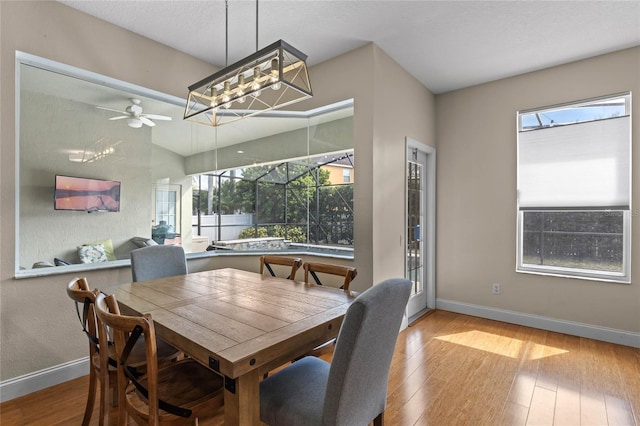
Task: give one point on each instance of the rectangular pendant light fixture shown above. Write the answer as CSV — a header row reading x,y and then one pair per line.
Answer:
x,y
271,78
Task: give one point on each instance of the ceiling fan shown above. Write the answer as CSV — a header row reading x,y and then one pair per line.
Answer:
x,y
135,117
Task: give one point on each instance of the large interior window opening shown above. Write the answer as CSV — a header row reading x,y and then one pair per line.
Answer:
x,y
77,124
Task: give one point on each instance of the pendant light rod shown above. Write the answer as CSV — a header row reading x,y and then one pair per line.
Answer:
x,y
226,33
270,78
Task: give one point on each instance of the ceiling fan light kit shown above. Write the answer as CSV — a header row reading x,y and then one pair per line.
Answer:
x,y
134,115
271,78
134,122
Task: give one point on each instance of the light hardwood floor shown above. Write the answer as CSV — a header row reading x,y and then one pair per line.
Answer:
x,y
451,369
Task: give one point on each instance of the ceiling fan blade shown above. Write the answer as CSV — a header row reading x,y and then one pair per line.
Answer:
x,y
111,109
146,121
157,117
119,117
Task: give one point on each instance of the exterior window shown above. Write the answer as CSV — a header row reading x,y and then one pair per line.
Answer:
x,y
346,175
574,189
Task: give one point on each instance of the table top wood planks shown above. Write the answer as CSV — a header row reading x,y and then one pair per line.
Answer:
x,y
241,324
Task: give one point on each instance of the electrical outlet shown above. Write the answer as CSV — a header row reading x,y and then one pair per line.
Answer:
x,y
496,288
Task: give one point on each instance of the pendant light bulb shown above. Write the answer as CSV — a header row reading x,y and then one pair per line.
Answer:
x,y
214,97
240,90
240,87
275,80
227,92
255,86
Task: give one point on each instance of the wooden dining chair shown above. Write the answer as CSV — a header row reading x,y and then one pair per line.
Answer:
x,y
352,389
314,268
102,364
176,393
99,371
294,263
148,263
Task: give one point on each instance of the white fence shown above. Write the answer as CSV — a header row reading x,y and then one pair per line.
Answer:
x,y
230,226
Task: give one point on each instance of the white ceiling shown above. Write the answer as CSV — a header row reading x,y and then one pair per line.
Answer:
x,y
446,45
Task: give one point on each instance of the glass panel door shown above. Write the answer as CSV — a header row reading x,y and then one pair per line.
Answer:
x,y
420,227
167,214
415,192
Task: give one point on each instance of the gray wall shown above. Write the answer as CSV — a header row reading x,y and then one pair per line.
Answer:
x,y
50,127
477,195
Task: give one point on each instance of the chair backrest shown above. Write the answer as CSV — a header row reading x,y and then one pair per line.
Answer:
x,y
84,298
78,290
314,268
148,263
122,327
293,262
359,372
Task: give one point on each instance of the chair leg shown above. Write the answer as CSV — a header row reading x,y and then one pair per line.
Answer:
x,y
91,397
113,395
379,421
104,400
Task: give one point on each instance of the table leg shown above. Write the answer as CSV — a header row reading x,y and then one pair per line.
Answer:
x,y
242,408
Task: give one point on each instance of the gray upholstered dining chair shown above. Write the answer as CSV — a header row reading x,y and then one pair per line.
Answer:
x,y
352,390
148,263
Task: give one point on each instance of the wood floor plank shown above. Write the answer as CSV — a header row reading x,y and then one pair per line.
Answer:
x,y
452,369
593,410
522,389
542,407
628,360
567,405
513,415
618,411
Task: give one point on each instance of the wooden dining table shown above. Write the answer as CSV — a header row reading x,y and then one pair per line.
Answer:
x,y
238,323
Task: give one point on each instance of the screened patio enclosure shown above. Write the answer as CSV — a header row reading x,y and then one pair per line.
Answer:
x,y
301,203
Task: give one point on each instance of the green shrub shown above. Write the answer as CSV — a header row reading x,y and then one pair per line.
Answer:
x,y
251,233
295,234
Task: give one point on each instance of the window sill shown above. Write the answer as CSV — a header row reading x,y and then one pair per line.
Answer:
x,y
75,268
582,274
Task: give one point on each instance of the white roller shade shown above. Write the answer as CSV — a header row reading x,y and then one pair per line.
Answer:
x,y
584,165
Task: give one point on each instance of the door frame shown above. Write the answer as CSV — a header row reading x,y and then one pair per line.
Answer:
x,y
429,246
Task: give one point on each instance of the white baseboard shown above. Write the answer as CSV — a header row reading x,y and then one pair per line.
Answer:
x,y
604,334
42,379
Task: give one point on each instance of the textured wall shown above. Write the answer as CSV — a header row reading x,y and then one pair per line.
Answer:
x,y
477,195
50,127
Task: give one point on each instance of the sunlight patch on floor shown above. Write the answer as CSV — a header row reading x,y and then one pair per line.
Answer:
x,y
500,345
